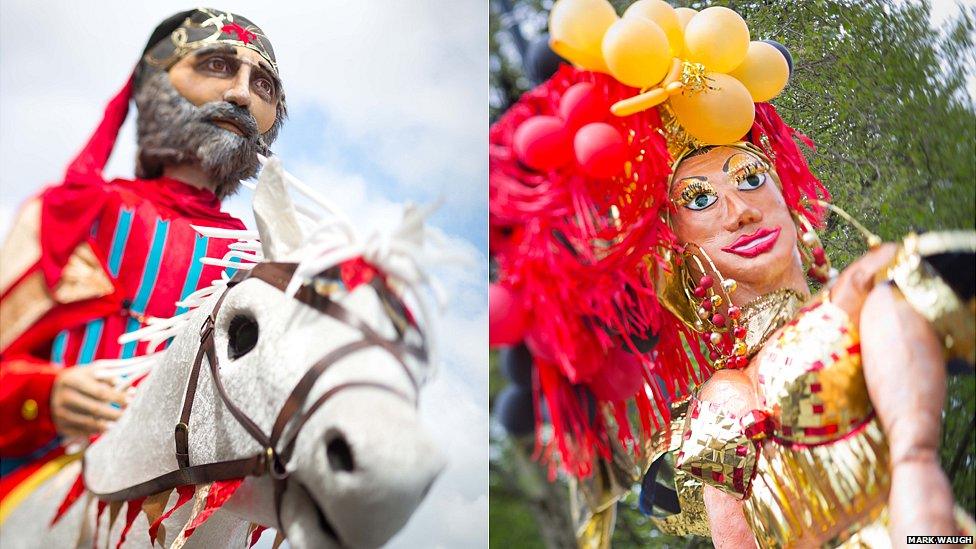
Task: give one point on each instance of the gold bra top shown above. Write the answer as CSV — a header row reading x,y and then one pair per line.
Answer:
x,y
810,460
811,392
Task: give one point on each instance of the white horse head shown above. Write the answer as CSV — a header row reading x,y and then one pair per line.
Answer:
x,y
361,463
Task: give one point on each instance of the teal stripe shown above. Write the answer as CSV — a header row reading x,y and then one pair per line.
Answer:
x,y
230,271
89,344
93,330
119,239
193,274
59,346
148,282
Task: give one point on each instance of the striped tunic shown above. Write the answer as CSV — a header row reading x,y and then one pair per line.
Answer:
x,y
148,257
154,255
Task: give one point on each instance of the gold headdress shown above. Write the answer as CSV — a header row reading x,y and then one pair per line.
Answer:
x,y
203,27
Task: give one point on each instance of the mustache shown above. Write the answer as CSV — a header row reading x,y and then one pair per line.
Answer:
x,y
223,111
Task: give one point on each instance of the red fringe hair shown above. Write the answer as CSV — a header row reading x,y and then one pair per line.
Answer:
x,y
586,278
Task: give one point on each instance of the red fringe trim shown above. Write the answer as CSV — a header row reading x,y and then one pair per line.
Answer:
x,y
132,511
74,493
586,277
99,509
220,492
799,183
256,535
185,493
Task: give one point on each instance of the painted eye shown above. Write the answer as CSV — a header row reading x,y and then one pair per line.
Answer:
x,y
217,64
264,86
752,182
242,336
701,201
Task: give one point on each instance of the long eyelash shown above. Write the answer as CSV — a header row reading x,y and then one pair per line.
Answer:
x,y
692,190
752,168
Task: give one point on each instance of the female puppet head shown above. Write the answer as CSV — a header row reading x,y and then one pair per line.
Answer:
x,y
613,238
727,203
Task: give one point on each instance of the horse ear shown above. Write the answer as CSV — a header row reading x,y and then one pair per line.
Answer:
x,y
275,213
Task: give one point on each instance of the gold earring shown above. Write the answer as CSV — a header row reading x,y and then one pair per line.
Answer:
x,y
723,335
812,252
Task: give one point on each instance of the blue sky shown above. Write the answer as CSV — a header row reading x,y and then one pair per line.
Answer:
x,y
388,104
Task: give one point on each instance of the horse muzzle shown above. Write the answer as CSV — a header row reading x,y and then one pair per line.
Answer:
x,y
370,472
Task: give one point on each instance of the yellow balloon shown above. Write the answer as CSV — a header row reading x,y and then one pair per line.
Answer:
x,y
718,115
764,72
576,29
684,15
661,13
636,51
718,38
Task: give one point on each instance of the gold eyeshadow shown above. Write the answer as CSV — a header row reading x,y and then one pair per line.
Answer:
x,y
741,165
693,186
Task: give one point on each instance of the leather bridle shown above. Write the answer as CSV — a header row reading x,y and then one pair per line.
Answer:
x,y
277,451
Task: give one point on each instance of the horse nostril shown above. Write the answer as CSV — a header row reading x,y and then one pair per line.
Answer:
x,y
340,454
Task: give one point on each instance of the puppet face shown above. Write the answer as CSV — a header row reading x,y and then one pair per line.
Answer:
x,y
728,201
217,107
233,74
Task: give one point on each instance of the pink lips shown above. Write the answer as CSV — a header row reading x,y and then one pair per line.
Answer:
x,y
754,244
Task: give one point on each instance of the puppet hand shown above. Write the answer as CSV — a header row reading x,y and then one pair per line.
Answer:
x,y
81,404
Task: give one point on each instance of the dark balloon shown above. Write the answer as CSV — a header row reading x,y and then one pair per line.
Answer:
x,y
540,61
513,409
517,365
959,367
644,344
782,49
654,494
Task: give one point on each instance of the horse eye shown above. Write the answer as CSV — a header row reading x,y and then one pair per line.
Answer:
x,y
242,336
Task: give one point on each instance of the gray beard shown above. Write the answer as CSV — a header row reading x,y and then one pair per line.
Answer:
x,y
173,131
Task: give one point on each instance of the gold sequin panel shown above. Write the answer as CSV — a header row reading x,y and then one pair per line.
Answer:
x,y
715,449
810,376
821,494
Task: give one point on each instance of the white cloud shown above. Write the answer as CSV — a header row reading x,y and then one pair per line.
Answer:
x,y
403,83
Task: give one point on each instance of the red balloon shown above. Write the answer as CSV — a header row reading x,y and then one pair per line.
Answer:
x,y
582,104
600,150
620,378
542,143
507,317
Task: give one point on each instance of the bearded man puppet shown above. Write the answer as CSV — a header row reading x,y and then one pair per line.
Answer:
x,y
88,260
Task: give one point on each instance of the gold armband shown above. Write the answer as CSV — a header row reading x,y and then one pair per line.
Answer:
x,y
922,287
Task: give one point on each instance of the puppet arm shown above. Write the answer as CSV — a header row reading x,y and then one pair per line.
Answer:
x,y
905,374
733,392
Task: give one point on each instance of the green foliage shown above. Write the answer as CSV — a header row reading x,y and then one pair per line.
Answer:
x,y
884,96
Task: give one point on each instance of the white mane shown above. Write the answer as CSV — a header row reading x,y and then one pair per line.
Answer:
x,y
328,238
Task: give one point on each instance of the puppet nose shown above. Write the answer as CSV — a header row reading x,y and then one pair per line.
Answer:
x,y
240,92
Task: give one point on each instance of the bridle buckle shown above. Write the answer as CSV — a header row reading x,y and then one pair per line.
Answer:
x,y
272,459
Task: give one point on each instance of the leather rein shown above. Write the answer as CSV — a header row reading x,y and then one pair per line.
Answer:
x,y
277,452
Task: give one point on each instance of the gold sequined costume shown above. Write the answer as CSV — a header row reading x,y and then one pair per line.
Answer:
x,y
811,463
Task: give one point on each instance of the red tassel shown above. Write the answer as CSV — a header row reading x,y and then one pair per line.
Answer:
x,y
220,492
799,183
75,492
586,275
256,534
184,495
99,509
355,272
131,512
